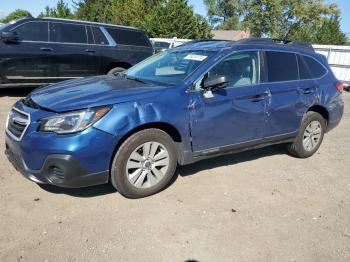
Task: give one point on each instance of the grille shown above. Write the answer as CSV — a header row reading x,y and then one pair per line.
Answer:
x,y
28,101
17,123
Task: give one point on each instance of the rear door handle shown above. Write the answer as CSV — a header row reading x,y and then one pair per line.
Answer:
x,y
89,50
46,49
307,90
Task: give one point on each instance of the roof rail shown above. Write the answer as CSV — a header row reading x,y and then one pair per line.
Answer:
x,y
297,44
301,44
87,22
256,40
205,40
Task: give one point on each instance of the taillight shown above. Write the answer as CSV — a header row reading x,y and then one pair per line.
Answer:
x,y
339,86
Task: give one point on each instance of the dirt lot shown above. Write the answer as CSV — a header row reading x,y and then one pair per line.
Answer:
x,y
261,205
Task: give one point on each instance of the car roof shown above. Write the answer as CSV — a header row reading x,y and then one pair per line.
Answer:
x,y
52,19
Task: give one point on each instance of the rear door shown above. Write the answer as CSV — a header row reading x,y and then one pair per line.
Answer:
x,y
30,59
73,55
132,46
286,107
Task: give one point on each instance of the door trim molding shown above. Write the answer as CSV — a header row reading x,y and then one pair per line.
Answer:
x,y
242,146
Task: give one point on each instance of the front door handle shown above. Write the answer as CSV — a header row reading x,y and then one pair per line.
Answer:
x,y
89,50
46,49
258,97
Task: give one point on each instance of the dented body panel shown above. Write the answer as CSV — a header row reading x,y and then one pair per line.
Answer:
x,y
227,120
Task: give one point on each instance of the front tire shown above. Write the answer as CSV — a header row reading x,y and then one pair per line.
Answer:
x,y
144,164
116,71
310,136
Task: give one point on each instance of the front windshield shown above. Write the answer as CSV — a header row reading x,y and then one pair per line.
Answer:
x,y
3,26
169,67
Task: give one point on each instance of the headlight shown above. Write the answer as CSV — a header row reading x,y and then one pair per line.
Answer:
x,y
72,122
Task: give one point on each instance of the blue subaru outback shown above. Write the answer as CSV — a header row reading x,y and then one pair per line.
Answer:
x,y
200,100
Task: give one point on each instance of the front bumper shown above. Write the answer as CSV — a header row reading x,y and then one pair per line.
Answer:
x,y
74,160
59,170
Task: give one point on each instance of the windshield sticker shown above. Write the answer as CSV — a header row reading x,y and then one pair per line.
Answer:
x,y
195,57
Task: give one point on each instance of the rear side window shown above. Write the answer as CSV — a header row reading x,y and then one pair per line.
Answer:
x,y
99,37
68,33
128,37
281,66
33,31
304,71
89,35
316,69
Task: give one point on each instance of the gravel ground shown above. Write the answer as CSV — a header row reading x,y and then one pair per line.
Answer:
x,y
261,205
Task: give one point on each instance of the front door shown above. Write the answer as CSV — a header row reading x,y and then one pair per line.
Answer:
x,y
29,60
233,115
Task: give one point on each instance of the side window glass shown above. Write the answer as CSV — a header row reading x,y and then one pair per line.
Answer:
x,y
128,37
68,33
90,37
240,69
33,31
316,69
281,66
100,38
304,71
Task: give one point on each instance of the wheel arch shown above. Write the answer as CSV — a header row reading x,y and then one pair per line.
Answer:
x,y
117,64
321,110
166,127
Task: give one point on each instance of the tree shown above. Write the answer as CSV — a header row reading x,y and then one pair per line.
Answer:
x,y
284,18
330,33
159,18
94,10
61,11
175,18
224,14
18,13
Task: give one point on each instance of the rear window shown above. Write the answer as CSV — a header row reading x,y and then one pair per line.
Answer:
x,y
99,37
128,37
281,66
33,31
68,33
161,45
316,69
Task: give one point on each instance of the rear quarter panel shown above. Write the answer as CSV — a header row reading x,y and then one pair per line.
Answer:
x,y
122,54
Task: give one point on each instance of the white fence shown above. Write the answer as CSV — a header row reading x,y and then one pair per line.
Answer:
x,y
338,58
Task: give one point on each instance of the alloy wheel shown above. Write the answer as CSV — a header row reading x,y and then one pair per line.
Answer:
x,y
312,135
147,164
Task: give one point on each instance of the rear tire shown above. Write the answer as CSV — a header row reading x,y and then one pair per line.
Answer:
x,y
116,70
144,164
310,136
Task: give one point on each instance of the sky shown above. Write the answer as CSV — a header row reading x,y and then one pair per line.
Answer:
x,y
36,6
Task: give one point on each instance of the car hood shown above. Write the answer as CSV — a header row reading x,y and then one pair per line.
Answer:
x,y
92,92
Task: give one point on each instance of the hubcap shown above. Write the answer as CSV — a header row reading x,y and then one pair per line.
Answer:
x,y
312,135
147,164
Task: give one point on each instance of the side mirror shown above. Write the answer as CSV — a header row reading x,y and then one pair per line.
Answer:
x,y
9,37
215,82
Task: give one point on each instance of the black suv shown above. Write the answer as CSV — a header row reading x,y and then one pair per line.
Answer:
x,y
36,51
